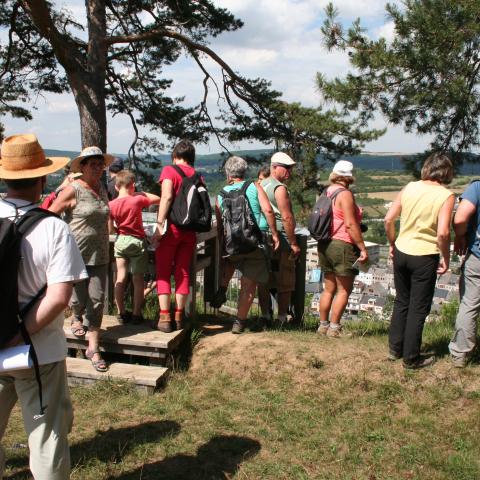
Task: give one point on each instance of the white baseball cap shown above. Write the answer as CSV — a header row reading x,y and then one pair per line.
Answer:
x,y
343,168
281,158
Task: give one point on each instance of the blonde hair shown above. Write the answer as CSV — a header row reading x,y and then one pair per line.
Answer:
x,y
124,178
336,178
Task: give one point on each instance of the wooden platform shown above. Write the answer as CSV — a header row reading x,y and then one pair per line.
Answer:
x,y
139,340
147,378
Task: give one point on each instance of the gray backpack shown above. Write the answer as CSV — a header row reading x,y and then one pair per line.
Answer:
x,y
320,222
241,233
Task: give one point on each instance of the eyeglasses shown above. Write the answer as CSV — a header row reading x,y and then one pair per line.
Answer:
x,y
286,167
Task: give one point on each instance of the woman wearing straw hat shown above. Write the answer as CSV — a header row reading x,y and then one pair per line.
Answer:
x,y
85,204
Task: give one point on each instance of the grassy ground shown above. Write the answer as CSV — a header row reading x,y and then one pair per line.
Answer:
x,y
281,405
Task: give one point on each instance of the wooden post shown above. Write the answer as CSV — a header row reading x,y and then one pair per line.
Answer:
x,y
190,307
297,301
212,271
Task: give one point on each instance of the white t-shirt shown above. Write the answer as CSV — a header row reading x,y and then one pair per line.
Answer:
x,y
49,255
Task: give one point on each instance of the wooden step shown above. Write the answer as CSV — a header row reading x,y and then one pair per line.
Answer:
x,y
129,339
146,378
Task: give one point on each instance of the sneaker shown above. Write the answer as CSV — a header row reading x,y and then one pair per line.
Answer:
x,y
323,329
238,326
334,332
394,356
458,362
259,325
123,318
421,362
219,298
136,319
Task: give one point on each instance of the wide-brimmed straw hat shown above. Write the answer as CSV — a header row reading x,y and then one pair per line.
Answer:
x,y
23,157
90,152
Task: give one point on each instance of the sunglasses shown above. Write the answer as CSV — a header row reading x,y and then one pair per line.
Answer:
x,y
286,167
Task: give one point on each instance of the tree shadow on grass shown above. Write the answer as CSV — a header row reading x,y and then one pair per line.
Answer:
x,y
218,459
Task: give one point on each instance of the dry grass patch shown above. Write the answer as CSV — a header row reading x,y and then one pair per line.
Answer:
x,y
280,405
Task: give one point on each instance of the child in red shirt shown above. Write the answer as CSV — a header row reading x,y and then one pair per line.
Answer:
x,y
130,248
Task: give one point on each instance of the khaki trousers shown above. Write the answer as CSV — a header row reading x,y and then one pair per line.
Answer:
x,y
47,436
465,336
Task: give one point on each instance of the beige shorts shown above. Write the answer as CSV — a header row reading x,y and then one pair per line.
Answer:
x,y
283,271
252,265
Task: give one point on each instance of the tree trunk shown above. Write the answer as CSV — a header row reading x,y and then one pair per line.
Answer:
x,y
90,99
86,72
88,83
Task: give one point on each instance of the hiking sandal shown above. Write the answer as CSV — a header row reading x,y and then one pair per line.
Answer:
x,y
99,365
77,329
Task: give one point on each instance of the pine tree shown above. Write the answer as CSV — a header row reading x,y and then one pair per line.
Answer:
x,y
426,79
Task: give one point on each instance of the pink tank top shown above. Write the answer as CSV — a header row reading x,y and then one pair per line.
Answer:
x,y
339,231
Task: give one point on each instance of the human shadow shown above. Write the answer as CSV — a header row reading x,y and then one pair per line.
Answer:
x,y
218,459
108,446
113,444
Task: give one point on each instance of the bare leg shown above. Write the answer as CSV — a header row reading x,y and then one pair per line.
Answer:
x,y
227,273
164,301
264,300
245,299
93,340
327,296
138,297
181,300
283,303
344,288
122,266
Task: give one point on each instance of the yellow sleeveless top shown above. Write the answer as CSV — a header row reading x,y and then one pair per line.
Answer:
x,y
421,204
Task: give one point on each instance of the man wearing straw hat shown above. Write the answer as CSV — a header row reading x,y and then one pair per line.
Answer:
x,y
49,256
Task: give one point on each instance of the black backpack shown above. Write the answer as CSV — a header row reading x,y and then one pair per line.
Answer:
x,y
241,233
11,233
321,219
191,209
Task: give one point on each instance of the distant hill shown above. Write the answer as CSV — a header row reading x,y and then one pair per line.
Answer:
x,y
364,161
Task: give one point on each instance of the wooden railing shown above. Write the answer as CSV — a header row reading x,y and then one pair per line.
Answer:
x,y
207,258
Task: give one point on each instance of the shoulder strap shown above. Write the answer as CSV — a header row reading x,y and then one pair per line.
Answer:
x,y
334,194
223,193
244,187
27,220
178,170
31,217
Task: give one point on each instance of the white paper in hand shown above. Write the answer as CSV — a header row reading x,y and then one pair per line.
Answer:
x,y
362,266
15,358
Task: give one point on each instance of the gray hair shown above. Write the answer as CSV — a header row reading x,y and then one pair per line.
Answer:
x,y
236,167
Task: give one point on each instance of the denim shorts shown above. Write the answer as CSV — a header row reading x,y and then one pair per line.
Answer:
x,y
337,256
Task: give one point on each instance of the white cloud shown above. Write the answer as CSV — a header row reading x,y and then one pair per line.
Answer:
x,y
63,104
249,57
386,31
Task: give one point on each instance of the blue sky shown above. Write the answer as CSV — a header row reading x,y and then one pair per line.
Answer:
x,y
280,41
